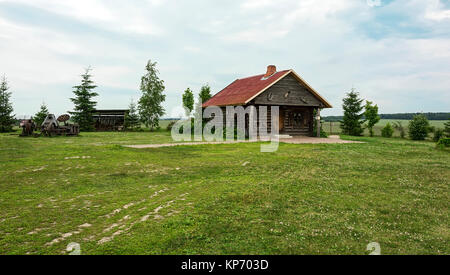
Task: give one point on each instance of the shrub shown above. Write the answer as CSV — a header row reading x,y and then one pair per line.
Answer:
x,y
387,131
444,142
399,127
418,127
323,134
438,134
447,129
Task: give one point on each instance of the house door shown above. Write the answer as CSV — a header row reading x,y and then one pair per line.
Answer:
x,y
293,120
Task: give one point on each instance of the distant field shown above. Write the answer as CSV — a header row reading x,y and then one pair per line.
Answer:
x,y
163,123
334,127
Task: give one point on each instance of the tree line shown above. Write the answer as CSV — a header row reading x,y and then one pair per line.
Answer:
x,y
400,116
358,116
148,110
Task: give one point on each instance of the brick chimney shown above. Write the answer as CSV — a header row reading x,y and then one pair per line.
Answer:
x,y
271,69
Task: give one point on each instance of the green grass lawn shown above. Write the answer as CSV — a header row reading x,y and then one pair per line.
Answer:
x,y
221,199
334,127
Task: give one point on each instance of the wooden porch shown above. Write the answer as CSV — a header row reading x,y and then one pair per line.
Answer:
x,y
296,121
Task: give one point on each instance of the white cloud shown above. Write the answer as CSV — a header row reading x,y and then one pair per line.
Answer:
x,y
277,19
202,41
110,15
435,11
374,3
257,4
81,9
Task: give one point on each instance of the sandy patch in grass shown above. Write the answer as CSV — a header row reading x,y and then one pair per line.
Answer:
x,y
131,204
62,238
128,205
78,157
111,227
85,225
108,239
40,169
154,213
37,230
69,234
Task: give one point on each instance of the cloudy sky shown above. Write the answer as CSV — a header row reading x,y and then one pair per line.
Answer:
x,y
395,53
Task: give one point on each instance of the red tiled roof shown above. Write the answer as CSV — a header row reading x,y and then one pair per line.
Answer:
x,y
242,90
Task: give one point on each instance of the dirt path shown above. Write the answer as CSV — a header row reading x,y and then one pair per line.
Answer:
x,y
294,140
313,140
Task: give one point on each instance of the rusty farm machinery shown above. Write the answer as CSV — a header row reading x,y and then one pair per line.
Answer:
x,y
51,126
59,127
28,127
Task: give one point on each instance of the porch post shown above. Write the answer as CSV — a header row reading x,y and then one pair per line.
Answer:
x,y
318,122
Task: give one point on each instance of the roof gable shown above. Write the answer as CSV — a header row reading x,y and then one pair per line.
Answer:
x,y
287,92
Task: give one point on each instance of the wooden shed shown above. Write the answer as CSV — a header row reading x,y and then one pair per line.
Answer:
x,y
296,99
109,120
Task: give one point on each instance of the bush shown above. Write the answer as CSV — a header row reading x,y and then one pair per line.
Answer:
x,y
438,134
444,142
387,131
419,127
447,129
399,126
323,134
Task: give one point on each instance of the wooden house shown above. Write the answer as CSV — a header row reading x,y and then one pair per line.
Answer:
x,y
296,99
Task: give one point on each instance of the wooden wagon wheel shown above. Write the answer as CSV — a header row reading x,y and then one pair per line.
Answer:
x,y
63,118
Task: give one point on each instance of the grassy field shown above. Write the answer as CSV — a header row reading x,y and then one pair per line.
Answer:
x,y
221,199
334,127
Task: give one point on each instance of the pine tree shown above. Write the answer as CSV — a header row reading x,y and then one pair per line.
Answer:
x,y
150,108
371,115
188,101
40,116
84,106
132,118
447,129
352,122
6,109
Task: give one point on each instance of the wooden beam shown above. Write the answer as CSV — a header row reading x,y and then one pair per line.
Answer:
x,y
318,122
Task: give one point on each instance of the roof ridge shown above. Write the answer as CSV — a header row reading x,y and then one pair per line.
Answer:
x,y
221,91
258,75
